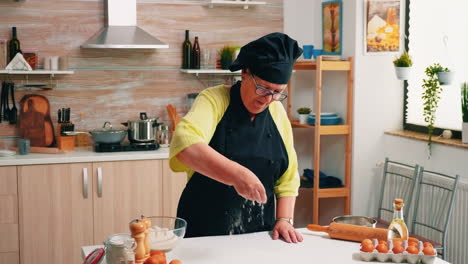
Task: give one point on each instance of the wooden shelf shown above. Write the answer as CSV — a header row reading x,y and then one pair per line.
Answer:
x,y
319,66
210,71
324,130
244,4
35,72
325,65
333,192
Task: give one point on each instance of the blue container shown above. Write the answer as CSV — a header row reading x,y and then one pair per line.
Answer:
x,y
325,119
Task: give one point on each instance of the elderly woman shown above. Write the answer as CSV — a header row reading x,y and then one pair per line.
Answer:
x,y
236,146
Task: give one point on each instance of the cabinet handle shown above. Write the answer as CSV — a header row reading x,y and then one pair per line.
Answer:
x,y
99,180
85,183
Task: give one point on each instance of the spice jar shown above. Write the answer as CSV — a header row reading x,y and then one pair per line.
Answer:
x,y
163,136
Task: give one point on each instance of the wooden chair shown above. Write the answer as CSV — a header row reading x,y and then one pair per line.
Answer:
x,y
398,182
433,207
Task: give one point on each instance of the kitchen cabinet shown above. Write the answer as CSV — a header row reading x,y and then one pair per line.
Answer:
x,y
173,185
9,238
55,215
320,66
129,189
65,206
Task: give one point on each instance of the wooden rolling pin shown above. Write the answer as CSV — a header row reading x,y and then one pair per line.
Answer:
x,y
350,232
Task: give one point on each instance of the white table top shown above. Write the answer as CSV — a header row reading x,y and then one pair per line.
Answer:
x,y
82,155
259,248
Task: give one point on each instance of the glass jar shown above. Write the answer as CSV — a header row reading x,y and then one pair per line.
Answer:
x,y
119,249
163,136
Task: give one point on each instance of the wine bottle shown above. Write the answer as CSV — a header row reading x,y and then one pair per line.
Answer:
x,y
13,45
398,228
196,54
186,52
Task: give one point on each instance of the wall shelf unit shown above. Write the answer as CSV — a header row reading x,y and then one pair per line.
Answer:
x,y
319,66
210,71
36,72
244,4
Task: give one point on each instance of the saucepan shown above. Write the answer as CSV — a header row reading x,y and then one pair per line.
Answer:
x,y
355,220
142,130
106,135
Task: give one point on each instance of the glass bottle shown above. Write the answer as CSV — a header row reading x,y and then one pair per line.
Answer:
x,y
13,45
196,54
186,52
163,136
398,228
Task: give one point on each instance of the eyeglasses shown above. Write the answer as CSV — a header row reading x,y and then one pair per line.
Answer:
x,y
262,91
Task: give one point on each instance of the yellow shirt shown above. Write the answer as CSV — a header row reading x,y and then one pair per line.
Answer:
x,y
199,125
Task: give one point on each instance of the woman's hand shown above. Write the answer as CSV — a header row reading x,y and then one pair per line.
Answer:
x,y
250,187
207,161
286,231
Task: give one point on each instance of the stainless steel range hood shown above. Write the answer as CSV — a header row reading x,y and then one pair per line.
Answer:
x,y
122,31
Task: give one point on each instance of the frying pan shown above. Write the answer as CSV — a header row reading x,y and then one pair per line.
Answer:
x,y
106,135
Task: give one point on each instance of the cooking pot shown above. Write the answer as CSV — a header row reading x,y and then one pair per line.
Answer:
x,y
355,220
106,135
143,130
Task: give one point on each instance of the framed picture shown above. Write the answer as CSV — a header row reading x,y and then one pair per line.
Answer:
x,y
332,27
382,26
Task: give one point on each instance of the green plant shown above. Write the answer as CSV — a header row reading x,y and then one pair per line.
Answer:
x,y
403,61
431,97
226,52
303,111
464,101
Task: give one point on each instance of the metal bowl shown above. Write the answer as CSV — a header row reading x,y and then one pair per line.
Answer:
x,y
355,220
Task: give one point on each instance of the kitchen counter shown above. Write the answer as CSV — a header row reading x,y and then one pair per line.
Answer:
x,y
82,155
259,248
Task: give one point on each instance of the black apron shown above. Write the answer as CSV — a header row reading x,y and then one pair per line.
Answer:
x,y
213,208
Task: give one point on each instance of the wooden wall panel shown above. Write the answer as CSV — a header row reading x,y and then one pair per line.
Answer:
x,y
115,85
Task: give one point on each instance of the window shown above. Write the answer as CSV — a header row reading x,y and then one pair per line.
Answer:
x,y
437,33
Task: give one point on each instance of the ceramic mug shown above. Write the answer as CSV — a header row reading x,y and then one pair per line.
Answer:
x,y
308,51
23,146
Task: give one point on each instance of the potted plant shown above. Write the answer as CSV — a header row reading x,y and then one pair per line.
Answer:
x,y
464,104
431,96
226,54
445,76
403,66
303,114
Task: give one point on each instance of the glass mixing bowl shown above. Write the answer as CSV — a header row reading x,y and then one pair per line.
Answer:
x,y
166,232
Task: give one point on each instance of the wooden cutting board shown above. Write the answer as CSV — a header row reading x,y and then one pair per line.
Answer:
x,y
35,123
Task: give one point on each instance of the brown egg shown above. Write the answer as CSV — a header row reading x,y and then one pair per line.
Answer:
x,y
397,242
367,241
382,242
175,261
429,251
398,249
367,248
412,243
413,239
412,250
382,248
427,244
